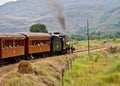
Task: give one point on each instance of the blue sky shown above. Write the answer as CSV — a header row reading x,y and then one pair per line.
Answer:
x,y
5,1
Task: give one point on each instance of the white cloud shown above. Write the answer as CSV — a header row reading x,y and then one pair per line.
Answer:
x,y
5,1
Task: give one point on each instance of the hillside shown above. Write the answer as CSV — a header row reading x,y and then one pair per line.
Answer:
x,y
18,16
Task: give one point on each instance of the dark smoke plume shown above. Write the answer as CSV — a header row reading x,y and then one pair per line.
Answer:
x,y
58,12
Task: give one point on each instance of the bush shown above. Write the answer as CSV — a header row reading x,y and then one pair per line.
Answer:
x,y
38,28
113,49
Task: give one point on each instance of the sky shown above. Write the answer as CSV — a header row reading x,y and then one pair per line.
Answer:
x,y
5,1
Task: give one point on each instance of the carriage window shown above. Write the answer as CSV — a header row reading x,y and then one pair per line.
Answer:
x,y
4,44
30,42
34,42
10,43
23,43
7,43
19,43
46,42
16,43
39,42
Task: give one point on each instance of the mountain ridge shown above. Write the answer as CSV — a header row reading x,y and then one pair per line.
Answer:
x,y
18,16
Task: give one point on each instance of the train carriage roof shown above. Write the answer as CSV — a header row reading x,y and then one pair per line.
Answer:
x,y
11,35
42,36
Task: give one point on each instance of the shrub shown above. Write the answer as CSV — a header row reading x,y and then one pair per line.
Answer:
x,y
38,28
113,49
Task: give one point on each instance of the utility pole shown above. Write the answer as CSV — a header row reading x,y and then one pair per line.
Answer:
x,y
88,37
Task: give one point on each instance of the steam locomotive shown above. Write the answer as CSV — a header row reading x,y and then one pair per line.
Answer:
x,y
25,45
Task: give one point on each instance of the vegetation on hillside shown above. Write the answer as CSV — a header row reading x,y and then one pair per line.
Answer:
x,y
25,12
96,35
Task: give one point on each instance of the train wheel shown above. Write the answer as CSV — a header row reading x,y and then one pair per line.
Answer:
x,y
17,59
29,57
2,62
44,55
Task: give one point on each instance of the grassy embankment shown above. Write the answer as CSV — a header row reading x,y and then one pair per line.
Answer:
x,y
100,69
83,45
48,72
45,72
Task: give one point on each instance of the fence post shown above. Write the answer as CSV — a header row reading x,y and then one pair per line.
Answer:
x,y
63,70
71,63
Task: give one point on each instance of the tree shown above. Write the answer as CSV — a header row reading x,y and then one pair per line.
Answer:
x,y
38,28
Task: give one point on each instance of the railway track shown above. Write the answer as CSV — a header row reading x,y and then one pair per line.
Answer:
x,y
75,52
92,49
36,58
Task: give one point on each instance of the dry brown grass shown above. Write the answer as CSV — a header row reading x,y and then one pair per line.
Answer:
x,y
44,72
112,49
25,67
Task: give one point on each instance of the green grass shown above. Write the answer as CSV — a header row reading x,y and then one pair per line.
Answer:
x,y
114,68
112,78
84,44
96,70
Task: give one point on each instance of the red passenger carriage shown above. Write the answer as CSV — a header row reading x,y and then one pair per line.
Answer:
x,y
11,45
37,43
